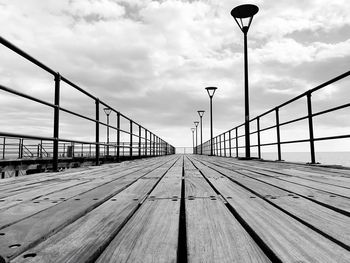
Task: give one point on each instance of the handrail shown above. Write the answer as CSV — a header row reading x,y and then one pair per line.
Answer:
x,y
221,145
142,142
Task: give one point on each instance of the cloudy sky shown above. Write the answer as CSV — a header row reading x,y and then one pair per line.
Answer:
x,y
151,60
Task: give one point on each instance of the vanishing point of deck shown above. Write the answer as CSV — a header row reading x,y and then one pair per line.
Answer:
x,y
178,209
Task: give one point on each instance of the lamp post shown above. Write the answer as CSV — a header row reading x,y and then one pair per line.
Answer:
x,y
196,124
211,92
107,111
193,129
201,113
243,15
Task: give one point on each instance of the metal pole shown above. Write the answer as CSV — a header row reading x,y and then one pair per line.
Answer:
x,y
237,142
192,139
196,141
229,142
97,133
118,135
154,145
211,126
56,122
3,148
258,127
130,138
107,134
224,144
311,128
201,135
139,140
145,142
278,135
246,99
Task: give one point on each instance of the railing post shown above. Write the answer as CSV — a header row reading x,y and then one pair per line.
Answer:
x,y
216,144
278,135
258,128
154,145
224,144
19,149
311,128
145,142
236,142
3,148
56,122
118,135
41,148
229,142
130,138
97,132
139,140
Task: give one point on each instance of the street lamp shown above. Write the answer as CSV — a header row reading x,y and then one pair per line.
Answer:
x,y
243,15
107,111
201,113
196,124
211,91
193,129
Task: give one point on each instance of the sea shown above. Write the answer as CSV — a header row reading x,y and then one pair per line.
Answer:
x,y
323,158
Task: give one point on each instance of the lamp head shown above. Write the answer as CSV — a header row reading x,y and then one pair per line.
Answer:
x,y
107,111
196,123
211,91
201,113
193,129
243,14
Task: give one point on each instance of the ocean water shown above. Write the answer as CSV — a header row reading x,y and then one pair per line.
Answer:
x,y
326,158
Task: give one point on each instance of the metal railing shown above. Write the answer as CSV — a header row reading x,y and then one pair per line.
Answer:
x,y
141,142
227,143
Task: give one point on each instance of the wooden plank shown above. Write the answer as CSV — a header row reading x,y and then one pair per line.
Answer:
x,y
64,190
151,235
83,240
329,199
313,173
214,235
290,240
41,225
170,185
328,221
197,188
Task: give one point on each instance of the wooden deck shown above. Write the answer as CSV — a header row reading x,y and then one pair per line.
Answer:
x,y
178,209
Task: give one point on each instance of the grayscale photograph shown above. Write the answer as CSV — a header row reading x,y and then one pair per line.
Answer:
x,y
156,131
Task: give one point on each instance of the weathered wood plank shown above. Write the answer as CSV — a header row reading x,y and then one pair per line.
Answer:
x,y
326,220
329,199
151,235
17,210
170,185
290,240
214,235
84,239
45,223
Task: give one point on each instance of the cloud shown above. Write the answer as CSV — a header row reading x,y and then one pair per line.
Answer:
x,y
152,59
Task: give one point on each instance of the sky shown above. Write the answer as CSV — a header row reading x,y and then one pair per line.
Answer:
x,y
151,60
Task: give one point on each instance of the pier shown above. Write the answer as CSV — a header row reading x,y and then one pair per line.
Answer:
x,y
113,190
178,208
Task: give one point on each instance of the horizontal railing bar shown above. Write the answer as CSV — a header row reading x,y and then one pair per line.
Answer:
x,y
26,96
26,56
331,109
16,135
332,137
78,88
